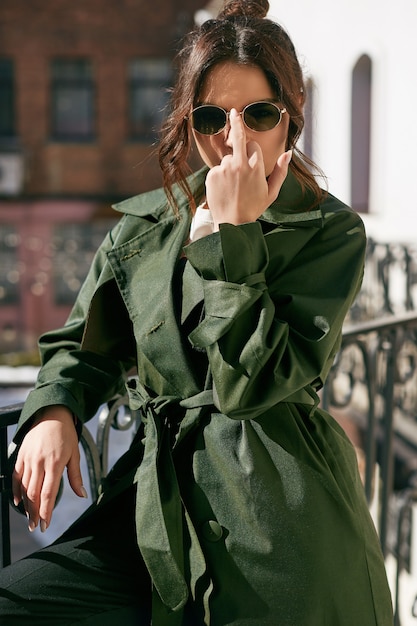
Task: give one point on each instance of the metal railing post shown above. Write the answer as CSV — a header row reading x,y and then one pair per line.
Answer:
x,y
5,555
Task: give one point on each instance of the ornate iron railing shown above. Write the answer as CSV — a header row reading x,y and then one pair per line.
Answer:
x,y
374,383
373,387
390,281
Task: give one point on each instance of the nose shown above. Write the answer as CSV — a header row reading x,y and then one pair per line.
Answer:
x,y
226,131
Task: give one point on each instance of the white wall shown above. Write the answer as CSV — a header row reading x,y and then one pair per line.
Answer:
x,y
330,36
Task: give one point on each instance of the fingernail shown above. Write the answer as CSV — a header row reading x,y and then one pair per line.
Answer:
x,y
288,156
234,113
31,526
44,525
84,492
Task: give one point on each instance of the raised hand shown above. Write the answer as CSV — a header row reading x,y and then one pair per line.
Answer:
x,y
237,189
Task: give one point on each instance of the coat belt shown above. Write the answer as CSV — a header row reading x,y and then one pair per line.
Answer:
x,y
160,513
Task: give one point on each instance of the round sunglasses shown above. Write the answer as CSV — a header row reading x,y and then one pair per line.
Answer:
x,y
209,119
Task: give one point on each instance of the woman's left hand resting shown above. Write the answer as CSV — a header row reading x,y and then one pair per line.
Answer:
x,y
49,446
237,189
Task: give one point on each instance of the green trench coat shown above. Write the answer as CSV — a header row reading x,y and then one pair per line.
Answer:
x,y
248,495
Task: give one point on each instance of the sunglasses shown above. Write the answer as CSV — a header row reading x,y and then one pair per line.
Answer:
x,y
209,119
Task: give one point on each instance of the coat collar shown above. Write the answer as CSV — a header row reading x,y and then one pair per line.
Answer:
x,y
155,202
291,206
289,209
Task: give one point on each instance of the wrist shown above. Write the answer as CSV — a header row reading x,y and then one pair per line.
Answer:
x,y
55,412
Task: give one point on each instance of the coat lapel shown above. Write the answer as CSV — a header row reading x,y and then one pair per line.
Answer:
x,y
144,270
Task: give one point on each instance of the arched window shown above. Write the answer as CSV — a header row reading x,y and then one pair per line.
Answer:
x,y
361,133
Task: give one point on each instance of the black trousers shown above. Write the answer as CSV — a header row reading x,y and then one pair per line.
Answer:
x,y
93,575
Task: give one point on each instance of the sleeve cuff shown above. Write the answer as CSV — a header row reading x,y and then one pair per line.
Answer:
x,y
40,398
233,254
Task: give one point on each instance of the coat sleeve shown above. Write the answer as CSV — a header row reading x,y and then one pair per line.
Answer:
x,y
77,376
274,307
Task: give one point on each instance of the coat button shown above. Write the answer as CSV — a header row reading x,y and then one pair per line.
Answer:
x,y
212,531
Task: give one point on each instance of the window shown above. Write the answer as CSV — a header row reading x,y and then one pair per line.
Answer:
x,y
361,133
149,80
72,100
7,122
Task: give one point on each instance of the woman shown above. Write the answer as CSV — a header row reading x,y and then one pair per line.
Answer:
x,y
240,503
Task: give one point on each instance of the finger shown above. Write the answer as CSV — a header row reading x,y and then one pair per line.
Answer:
x,y
75,478
255,156
278,175
31,497
24,483
284,159
237,135
17,486
48,496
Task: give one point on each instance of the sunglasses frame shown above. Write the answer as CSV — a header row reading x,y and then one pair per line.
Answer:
x,y
241,113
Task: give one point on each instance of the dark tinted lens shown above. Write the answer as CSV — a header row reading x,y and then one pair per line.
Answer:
x,y
262,116
208,119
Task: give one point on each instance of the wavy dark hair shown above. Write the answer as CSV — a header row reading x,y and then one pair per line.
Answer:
x,y
240,34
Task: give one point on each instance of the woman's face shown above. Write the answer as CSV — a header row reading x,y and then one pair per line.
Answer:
x,y
235,86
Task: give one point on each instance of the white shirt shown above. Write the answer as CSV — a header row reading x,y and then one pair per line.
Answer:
x,y
201,224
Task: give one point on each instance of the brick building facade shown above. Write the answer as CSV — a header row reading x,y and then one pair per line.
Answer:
x,y
82,89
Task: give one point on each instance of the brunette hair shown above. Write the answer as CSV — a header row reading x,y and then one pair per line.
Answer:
x,y
240,34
